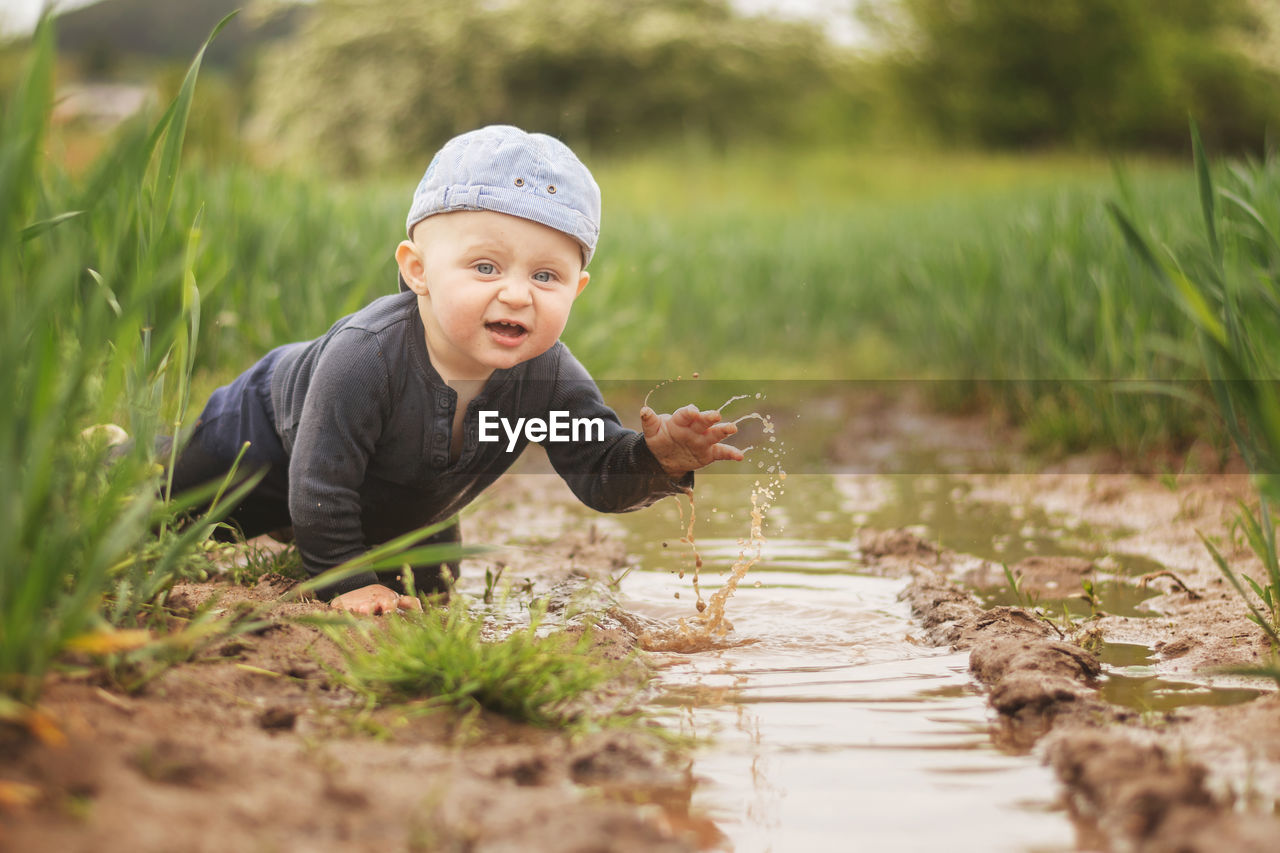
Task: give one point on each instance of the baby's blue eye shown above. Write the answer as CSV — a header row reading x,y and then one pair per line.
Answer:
x,y
542,276
486,269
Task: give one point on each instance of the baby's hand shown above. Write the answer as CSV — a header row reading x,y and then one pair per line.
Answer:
x,y
375,599
687,439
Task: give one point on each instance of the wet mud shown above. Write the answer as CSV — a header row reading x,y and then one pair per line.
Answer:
x,y
252,745
1198,773
1132,781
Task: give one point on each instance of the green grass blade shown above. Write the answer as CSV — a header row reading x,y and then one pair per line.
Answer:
x,y
176,132
37,228
1231,577
1207,202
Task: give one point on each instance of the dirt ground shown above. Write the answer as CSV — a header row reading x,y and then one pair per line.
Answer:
x,y
253,746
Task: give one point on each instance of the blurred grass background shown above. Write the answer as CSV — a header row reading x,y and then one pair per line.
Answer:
x,y
923,200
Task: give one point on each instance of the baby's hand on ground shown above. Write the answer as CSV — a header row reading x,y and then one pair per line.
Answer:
x,y
687,439
375,599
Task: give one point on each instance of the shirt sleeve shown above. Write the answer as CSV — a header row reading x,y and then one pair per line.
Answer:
x,y
346,408
609,468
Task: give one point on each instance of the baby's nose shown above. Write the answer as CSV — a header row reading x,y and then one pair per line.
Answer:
x,y
515,292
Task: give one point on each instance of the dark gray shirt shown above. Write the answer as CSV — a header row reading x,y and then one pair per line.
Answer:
x,y
365,421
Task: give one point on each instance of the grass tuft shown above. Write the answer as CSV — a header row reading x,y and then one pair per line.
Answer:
x,y
450,656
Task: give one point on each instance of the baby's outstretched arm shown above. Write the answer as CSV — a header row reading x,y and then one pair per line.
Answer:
x,y
687,439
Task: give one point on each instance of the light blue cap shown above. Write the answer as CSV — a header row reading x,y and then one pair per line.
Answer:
x,y
504,169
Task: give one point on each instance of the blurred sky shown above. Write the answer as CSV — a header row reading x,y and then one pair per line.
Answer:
x,y
20,15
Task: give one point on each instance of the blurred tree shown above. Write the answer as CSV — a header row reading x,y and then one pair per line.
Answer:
x,y
365,83
1126,72
99,61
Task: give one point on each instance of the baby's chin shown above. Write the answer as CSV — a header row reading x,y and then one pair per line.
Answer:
x,y
505,359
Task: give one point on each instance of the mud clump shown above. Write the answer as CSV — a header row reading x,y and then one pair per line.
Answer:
x,y
1175,648
1034,676
899,544
278,718
1040,575
944,609
171,762
993,660
1148,799
1123,793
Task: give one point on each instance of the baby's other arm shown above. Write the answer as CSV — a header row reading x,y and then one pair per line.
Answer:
x,y
687,439
342,418
375,599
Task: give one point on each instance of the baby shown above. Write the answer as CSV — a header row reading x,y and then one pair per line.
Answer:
x,y
402,413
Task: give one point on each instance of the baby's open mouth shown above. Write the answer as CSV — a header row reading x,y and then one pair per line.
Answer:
x,y
508,331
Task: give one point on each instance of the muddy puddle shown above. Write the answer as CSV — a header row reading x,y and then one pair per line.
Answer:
x,y
825,721
1007,534
1131,680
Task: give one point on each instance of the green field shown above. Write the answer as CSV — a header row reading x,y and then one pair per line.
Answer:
x,y
783,265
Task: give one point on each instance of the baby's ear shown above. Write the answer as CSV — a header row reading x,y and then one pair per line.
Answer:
x,y
582,282
412,268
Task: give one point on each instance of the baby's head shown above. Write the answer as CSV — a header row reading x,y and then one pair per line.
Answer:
x,y
500,230
506,170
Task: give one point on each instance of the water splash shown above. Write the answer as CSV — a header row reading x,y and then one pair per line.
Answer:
x,y
710,627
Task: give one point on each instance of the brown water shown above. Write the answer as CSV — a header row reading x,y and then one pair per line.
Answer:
x,y
1130,679
824,724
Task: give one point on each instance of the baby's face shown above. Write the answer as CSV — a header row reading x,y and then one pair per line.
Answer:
x,y
495,289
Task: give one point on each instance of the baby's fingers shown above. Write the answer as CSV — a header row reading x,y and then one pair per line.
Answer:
x,y
689,417
650,423
726,453
722,431
686,416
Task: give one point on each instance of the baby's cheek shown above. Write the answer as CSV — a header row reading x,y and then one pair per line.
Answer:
x,y
460,329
